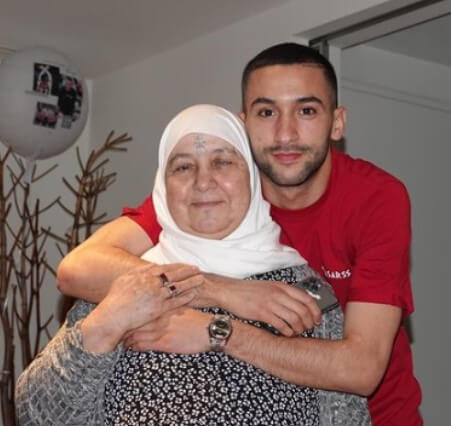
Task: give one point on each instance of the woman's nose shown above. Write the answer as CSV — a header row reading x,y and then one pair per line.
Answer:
x,y
204,179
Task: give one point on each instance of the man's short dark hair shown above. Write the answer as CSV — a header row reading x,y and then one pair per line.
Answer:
x,y
289,54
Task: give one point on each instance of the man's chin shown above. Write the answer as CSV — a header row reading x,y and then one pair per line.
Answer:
x,y
285,180
288,183
287,177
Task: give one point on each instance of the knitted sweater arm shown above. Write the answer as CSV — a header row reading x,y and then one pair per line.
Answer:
x,y
64,385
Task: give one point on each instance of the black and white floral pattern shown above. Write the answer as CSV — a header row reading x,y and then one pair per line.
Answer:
x,y
213,389
204,389
65,385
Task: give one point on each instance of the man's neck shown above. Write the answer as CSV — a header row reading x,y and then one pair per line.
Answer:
x,y
300,196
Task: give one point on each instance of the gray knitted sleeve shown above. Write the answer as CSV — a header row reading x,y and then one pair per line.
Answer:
x,y
339,408
64,385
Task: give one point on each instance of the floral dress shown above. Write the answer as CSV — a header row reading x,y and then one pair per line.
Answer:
x,y
212,388
67,385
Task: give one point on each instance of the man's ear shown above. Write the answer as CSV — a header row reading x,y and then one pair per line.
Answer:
x,y
242,116
339,124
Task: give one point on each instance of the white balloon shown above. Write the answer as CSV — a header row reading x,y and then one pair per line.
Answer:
x,y
43,103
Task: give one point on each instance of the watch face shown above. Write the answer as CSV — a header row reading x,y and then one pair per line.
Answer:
x,y
220,328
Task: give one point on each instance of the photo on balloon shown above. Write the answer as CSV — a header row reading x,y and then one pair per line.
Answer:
x,y
46,79
34,122
70,97
46,115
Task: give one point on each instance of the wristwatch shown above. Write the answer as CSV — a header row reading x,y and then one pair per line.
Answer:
x,y
219,332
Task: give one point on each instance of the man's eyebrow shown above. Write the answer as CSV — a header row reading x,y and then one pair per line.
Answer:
x,y
262,100
307,99
301,100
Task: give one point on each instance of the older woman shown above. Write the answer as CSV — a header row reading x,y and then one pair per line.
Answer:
x,y
208,201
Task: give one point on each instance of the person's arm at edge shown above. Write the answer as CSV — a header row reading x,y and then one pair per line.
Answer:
x,y
355,364
88,271
64,384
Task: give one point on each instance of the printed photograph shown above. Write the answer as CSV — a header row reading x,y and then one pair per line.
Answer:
x,y
47,79
46,115
70,98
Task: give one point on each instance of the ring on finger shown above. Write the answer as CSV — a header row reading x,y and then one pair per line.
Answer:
x,y
167,284
172,289
164,280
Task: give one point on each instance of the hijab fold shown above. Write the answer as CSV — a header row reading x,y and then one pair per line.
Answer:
x,y
253,247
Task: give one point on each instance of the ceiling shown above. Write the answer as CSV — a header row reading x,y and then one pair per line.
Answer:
x,y
430,41
102,35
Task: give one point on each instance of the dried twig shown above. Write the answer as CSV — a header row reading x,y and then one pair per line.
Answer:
x,y
23,257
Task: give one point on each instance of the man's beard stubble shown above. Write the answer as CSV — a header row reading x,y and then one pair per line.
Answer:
x,y
307,172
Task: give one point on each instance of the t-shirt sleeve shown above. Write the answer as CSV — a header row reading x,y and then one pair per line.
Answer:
x,y
145,216
381,272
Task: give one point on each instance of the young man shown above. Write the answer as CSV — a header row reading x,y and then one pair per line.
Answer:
x,y
348,218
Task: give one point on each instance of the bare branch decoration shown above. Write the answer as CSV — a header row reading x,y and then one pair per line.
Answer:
x,y
24,266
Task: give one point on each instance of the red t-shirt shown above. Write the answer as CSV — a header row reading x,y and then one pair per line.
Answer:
x,y
357,235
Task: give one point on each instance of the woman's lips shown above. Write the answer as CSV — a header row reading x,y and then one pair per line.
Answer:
x,y
205,204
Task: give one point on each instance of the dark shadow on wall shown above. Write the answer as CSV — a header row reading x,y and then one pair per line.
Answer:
x,y
340,145
409,329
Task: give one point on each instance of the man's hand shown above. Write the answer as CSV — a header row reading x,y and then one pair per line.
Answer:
x,y
287,308
181,331
134,299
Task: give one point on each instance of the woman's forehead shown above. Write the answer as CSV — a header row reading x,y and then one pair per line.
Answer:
x,y
202,142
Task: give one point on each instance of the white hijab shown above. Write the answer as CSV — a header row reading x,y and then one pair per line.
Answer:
x,y
251,248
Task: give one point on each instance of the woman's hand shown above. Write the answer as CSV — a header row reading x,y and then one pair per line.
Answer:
x,y
181,331
287,308
135,299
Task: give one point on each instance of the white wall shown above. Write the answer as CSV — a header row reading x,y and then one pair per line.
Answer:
x,y
400,118
142,98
